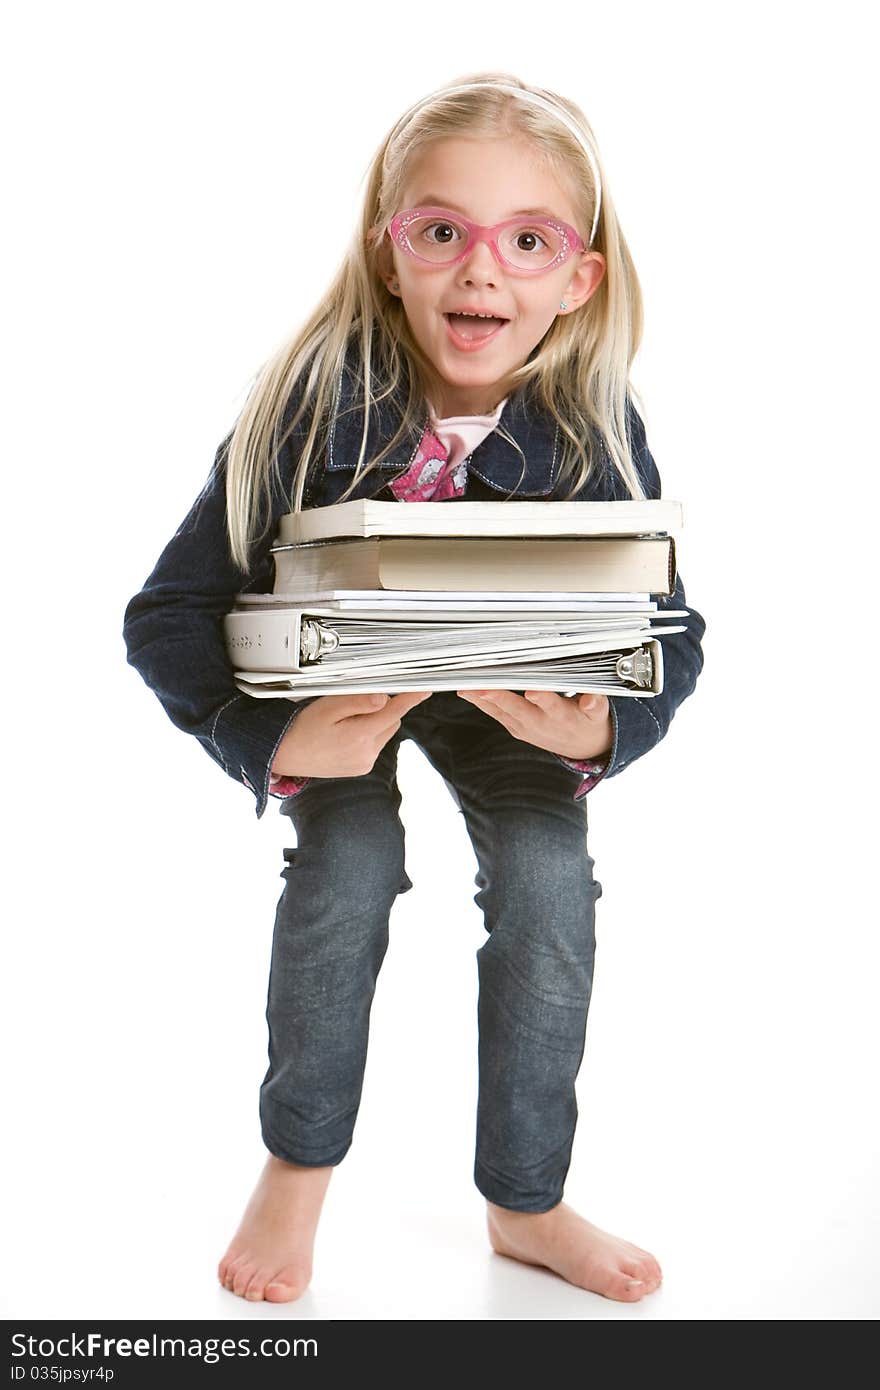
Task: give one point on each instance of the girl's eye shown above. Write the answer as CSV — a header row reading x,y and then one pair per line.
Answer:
x,y
525,239
445,233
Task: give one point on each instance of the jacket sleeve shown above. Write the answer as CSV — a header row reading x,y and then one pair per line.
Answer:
x,y
640,723
173,633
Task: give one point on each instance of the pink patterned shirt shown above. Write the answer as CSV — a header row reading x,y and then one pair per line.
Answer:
x,y
438,472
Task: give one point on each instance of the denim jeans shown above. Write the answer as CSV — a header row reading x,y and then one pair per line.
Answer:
x,y
535,969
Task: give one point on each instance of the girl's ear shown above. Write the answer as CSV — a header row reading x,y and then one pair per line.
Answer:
x,y
384,260
586,279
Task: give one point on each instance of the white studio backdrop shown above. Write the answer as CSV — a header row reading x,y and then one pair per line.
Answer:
x,y
185,179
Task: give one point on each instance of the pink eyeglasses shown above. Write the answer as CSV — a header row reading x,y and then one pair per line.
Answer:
x,y
551,242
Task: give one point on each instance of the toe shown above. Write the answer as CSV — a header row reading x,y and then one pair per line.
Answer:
x,y
242,1277
277,1292
254,1291
640,1276
627,1287
644,1260
287,1284
229,1267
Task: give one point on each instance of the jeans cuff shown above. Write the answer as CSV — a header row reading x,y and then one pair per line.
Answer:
x,y
303,1157
502,1194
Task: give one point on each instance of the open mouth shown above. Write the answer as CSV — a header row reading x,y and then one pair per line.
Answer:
x,y
471,330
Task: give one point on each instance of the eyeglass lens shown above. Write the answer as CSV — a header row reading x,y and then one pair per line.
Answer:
x,y
528,245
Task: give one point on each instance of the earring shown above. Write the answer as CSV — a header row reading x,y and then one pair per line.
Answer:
x,y
563,304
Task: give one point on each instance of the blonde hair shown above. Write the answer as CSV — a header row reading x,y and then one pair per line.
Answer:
x,y
579,371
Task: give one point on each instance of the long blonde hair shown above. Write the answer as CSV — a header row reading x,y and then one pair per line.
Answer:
x,y
579,371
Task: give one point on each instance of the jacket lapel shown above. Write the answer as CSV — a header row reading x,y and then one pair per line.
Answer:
x,y
527,468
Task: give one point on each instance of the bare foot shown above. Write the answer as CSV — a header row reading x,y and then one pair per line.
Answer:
x,y
561,1240
270,1256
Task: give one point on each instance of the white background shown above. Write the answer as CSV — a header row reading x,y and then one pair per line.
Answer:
x,y
168,165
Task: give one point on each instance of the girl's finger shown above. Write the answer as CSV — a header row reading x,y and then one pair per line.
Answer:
x,y
593,704
542,698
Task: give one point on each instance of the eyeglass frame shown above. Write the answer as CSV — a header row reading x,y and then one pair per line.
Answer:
x,y
572,240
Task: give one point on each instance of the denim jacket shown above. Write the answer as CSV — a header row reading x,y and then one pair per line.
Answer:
x,y
173,627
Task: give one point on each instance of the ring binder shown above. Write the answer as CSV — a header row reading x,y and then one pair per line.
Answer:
x,y
315,640
319,648
608,672
638,668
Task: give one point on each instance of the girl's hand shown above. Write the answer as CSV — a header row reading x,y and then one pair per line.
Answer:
x,y
341,735
578,727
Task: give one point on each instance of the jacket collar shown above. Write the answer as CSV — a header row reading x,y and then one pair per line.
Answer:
x,y
531,473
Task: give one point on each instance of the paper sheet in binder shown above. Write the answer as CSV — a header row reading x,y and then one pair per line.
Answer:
x,y
625,671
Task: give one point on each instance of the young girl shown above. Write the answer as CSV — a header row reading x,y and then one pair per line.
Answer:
x,y
476,343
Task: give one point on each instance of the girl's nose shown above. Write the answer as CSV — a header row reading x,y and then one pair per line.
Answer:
x,y
479,262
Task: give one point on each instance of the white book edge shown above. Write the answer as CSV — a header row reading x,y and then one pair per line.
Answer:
x,y
361,518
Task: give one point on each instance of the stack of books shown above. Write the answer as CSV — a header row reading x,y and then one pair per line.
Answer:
x,y
376,596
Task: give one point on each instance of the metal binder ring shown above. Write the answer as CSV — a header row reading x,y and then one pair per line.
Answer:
x,y
315,640
636,667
